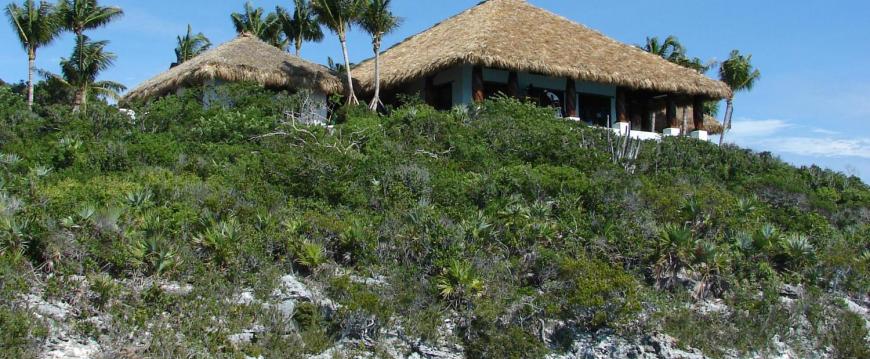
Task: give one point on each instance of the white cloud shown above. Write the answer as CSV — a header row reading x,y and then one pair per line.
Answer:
x,y
742,128
820,146
825,132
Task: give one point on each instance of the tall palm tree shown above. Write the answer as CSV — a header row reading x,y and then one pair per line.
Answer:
x,y
739,74
301,26
266,28
338,15
80,15
670,49
378,20
81,70
190,45
36,26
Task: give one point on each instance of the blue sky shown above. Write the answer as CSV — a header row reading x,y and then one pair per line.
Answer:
x,y
811,106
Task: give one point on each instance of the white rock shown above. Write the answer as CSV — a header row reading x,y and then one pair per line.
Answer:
x,y
71,349
57,311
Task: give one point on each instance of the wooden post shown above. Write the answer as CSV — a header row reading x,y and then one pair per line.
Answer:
x,y
477,92
621,106
513,85
672,112
429,90
685,127
698,112
571,98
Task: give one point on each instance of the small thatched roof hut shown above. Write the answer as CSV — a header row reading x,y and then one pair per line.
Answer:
x,y
517,36
245,58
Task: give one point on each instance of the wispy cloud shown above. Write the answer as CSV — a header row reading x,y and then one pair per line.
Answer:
x,y
742,128
788,138
825,132
820,146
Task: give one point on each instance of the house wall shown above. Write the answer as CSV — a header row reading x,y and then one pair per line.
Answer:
x,y
317,113
460,76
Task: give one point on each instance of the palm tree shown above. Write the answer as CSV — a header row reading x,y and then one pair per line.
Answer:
x,y
80,72
190,45
338,15
301,26
378,20
266,28
739,74
80,15
670,49
36,26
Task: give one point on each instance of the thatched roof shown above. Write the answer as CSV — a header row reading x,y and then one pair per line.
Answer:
x,y
245,58
514,35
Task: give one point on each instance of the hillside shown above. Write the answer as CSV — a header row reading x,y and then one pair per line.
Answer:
x,y
491,232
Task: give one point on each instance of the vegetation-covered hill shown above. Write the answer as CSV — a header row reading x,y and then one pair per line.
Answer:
x,y
168,235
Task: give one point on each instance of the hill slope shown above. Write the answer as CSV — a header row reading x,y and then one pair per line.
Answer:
x,y
491,232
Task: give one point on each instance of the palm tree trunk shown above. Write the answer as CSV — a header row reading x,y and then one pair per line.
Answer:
x,y
31,65
298,47
351,99
79,100
376,100
726,124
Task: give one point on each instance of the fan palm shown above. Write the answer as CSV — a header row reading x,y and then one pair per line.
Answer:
x,y
300,26
36,26
338,15
81,70
378,20
190,45
739,74
266,28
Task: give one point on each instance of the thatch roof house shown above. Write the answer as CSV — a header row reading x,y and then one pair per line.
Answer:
x,y
513,47
244,59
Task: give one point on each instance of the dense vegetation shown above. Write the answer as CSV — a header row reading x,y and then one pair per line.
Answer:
x,y
500,217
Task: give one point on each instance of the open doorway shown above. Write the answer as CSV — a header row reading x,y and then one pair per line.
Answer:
x,y
595,109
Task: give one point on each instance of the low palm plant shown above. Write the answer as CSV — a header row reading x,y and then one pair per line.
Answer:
x,y
710,262
766,240
154,253
310,255
139,198
798,250
14,235
675,251
458,283
219,241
